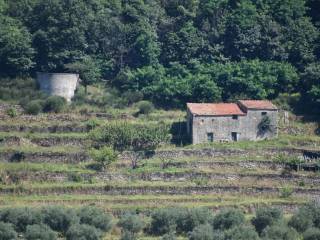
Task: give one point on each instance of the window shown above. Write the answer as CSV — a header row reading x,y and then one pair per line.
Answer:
x,y
234,136
235,117
202,121
210,137
264,113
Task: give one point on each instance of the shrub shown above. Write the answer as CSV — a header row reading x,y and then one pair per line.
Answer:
x,y
59,218
21,217
202,232
266,217
163,221
286,191
83,232
188,219
131,136
242,233
34,107
314,208
75,177
54,104
131,223
227,219
43,232
264,125
92,124
127,235
95,217
169,236
7,232
279,232
302,219
312,234
12,112
133,97
145,107
104,156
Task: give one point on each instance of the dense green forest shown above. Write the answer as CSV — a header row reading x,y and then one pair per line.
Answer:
x,y
171,51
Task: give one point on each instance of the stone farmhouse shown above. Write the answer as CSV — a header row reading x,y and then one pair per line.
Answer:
x,y
244,120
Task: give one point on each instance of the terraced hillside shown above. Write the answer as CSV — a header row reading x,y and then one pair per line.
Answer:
x,y
45,159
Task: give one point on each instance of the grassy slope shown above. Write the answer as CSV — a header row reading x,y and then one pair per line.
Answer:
x,y
303,137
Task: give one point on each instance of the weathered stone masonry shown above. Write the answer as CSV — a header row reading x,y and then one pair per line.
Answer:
x,y
230,121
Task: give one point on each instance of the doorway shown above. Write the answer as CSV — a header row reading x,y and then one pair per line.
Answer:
x,y
210,137
234,136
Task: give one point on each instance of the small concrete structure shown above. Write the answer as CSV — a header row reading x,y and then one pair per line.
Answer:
x,y
58,84
208,122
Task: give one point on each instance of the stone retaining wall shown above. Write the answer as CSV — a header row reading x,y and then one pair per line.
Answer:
x,y
115,190
44,157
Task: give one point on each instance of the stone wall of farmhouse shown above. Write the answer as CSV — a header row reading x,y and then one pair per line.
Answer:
x,y
222,127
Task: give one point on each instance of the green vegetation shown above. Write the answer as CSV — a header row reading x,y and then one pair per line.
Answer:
x,y
104,156
176,52
34,107
131,136
54,104
49,222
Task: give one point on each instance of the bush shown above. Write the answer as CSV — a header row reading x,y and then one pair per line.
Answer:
x,y
266,217
242,233
131,223
59,218
302,219
169,236
188,219
286,192
12,112
95,217
264,125
312,234
131,136
75,177
34,107
227,219
127,235
54,104
43,232
145,107
202,232
7,232
279,232
83,232
163,221
92,124
132,97
104,156
21,217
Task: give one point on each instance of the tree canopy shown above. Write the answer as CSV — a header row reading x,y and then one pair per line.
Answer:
x,y
180,50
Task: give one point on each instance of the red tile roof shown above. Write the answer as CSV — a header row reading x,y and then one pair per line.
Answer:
x,y
215,109
258,104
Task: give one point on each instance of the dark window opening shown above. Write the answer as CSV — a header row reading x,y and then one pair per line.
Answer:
x,y
210,137
264,113
235,117
234,136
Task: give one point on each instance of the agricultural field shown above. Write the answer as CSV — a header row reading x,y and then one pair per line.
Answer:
x,y
47,160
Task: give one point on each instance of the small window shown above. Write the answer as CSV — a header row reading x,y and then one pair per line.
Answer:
x,y
201,121
264,113
210,137
235,117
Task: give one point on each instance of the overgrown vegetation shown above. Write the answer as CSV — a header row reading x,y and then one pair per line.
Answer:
x,y
91,223
47,223
125,135
176,51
